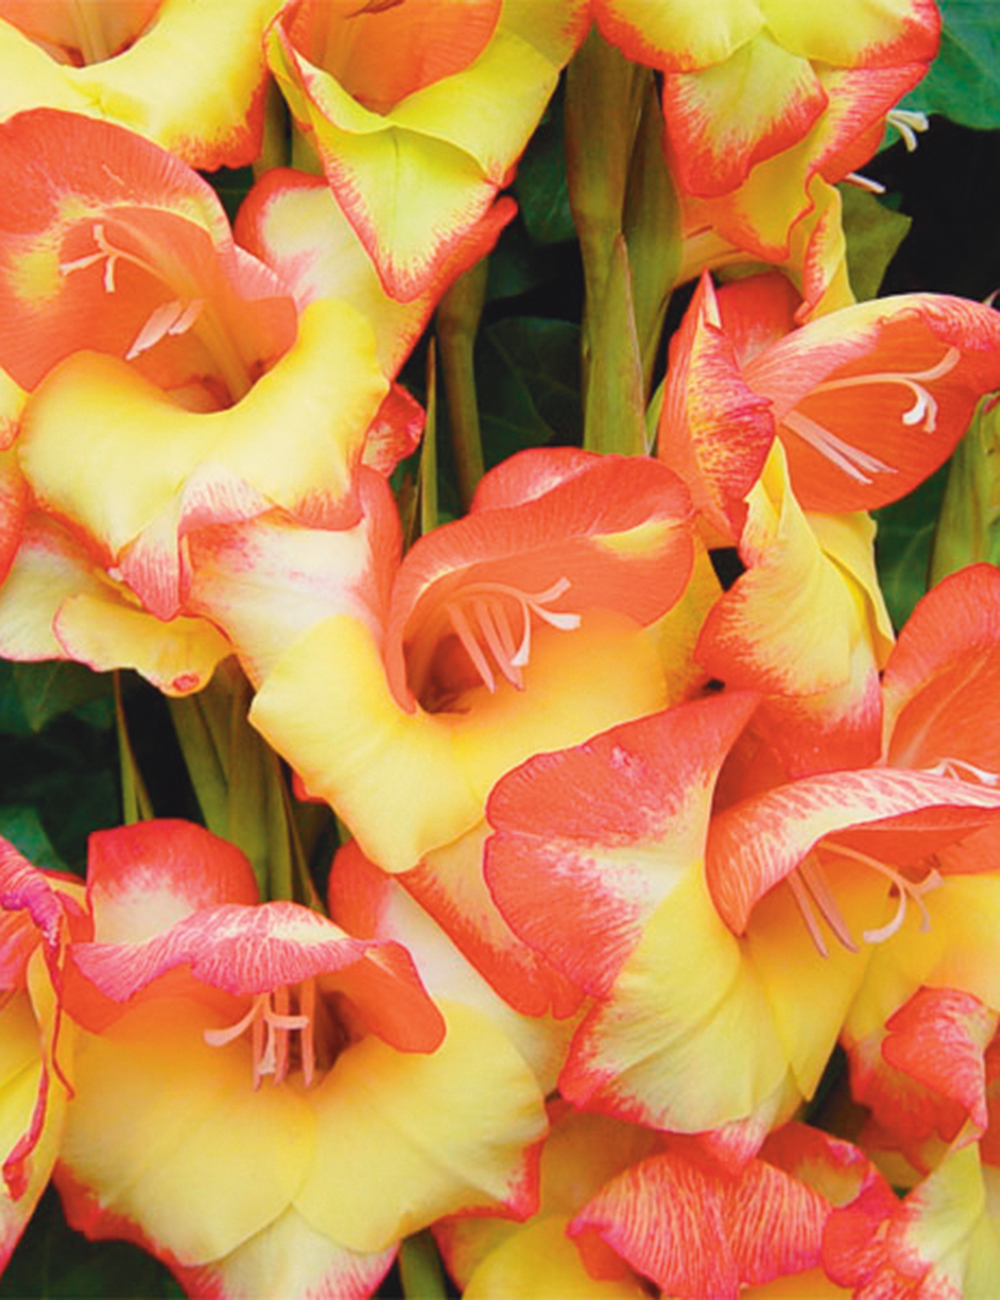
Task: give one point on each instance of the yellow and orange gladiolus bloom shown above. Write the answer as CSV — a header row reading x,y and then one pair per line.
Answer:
x,y
419,112
263,1100
191,78
150,365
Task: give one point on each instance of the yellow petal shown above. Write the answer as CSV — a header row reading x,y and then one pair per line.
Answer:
x,y
168,1132
411,1137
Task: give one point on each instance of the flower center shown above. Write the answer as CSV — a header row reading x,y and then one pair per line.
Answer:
x,y
271,1022
852,460
908,123
493,622
811,890
181,314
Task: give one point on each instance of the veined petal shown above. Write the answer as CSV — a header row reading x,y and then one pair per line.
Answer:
x,y
697,1230
588,842
246,949
447,1152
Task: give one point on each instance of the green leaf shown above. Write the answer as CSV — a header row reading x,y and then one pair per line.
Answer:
x,y
21,825
541,186
874,233
528,381
32,694
903,546
964,81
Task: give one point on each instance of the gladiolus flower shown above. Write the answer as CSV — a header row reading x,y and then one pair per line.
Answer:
x,y
264,1101
710,930
419,112
505,631
154,364
189,78
767,103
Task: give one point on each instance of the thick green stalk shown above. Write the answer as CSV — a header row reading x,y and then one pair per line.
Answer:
x,y
458,317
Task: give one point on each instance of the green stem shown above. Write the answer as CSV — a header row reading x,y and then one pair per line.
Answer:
x,y
420,1269
458,318
136,803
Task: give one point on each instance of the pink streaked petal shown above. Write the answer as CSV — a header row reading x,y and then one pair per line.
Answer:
x,y
698,1231
589,841
250,950
939,1038
714,431
142,879
757,843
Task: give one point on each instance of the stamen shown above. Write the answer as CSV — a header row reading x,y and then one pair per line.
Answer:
x,y
852,460
271,1023
908,891
864,183
490,604
819,887
907,122
961,770
797,886
171,318
925,408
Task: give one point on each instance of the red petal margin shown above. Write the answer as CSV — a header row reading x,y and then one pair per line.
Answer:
x,y
589,840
